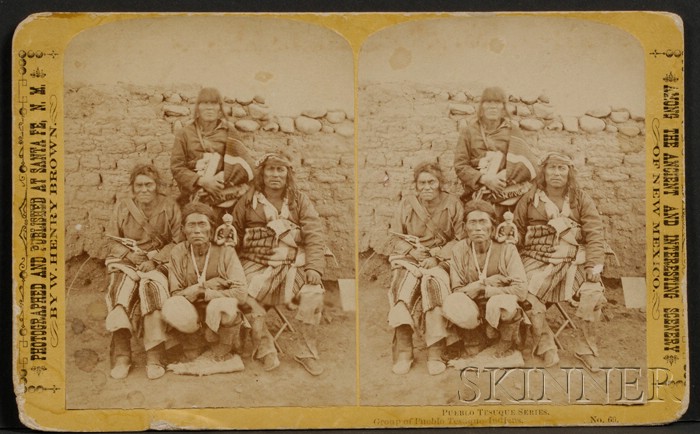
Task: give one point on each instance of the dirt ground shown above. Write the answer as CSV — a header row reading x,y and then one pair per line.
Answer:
x,y
622,344
89,386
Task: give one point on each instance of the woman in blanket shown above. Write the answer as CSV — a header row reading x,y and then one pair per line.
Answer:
x,y
425,228
142,230
208,161
282,252
492,158
563,253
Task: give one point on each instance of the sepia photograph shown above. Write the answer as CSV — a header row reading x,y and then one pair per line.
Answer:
x,y
501,166
349,220
209,203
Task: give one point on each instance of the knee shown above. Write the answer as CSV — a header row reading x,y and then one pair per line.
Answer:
x,y
117,319
507,315
227,308
179,313
591,289
470,321
399,315
252,307
461,311
591,296
505,305
536,306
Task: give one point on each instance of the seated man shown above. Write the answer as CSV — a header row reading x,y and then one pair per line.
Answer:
x,y
425,227
563,252
142,230
487,280
282,252
206,285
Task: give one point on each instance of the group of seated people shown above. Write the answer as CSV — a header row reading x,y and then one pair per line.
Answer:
x,y
468,272
191,273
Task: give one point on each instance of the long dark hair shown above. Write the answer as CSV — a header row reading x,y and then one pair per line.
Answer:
x,y
429,167
493,94
289,185
571,183
146,170
209,94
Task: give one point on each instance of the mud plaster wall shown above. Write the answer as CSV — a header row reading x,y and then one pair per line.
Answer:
x,y
109,129
403,124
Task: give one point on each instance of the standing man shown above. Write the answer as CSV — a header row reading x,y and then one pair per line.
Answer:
x,y
492,158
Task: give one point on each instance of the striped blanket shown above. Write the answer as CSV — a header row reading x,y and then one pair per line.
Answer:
x,y
139,293
420,293
552,263
273,263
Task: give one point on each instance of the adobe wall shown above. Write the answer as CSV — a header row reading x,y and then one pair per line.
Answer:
x,y
109,129
403,124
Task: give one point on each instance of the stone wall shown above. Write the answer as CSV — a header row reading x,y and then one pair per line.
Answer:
x,y
109,129
403,124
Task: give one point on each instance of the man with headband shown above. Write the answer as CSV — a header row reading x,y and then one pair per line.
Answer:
x,y
563,253
282,252
492,158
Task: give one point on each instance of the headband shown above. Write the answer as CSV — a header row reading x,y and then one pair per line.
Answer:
x,y
279,158
557,158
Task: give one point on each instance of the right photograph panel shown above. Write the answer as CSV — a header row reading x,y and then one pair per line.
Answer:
x,y
501,166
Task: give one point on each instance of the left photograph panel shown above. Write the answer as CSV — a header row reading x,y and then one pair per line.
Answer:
x,y
209,214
